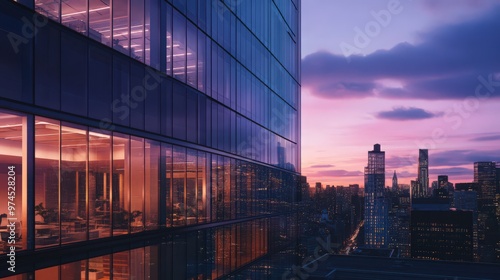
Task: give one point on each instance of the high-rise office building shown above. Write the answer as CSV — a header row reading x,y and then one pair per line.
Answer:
x,y
442,235
497,203
466,199
422,185
318,187
128,121
399,223
443,181
376,204
485,175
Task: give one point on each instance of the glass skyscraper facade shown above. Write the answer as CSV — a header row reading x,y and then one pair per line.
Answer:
x,y
376,204
485,175
132,121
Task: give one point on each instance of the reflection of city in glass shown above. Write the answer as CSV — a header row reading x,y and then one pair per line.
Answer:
x,y
169,122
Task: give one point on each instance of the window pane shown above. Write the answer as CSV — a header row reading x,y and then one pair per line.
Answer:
x,y
120,184
73,184
227,187
74,15
179,111
16,70
202,187
73,270
169,47
152,165
192,115
73,79
48,8
201,61
100,264
152,33
137,184
179,46
100,21
48,68
99,184
137,29
191,55
168,154
191,180
13,150
47,228
121,30
48,273
121,265
100,87
178,186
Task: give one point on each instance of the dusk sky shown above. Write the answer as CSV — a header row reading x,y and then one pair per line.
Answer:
x,y
425,75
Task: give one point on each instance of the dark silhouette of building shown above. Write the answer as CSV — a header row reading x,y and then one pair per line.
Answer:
x,y
485,175
399,223
466,199
422,184
442,235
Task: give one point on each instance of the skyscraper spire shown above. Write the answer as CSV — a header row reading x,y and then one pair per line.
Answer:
x,y
394,182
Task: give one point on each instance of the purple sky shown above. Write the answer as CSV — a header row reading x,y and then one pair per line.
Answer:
x,y
405,74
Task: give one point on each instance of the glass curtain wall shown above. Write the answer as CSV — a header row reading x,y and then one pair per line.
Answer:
x,y
13,186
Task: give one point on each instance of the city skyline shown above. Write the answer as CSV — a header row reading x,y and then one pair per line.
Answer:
x,y
411,85
389,173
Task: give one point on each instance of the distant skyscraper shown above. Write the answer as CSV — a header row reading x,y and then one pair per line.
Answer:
x,y
423,173
443,181
434,185
414,191
399,223
394,182
376,206
485,175
466,199
318,187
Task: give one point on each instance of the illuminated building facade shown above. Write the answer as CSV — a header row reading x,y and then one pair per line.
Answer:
x,y
485,175
136,120
422,184
376,204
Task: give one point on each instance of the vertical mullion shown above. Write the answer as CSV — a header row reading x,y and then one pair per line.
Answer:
x,y
144,214
129,179
111,185
59,183
87,185
29,197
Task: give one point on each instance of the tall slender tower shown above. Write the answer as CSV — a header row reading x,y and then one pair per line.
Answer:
x,y
487,230
376,206
423,173
394,182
